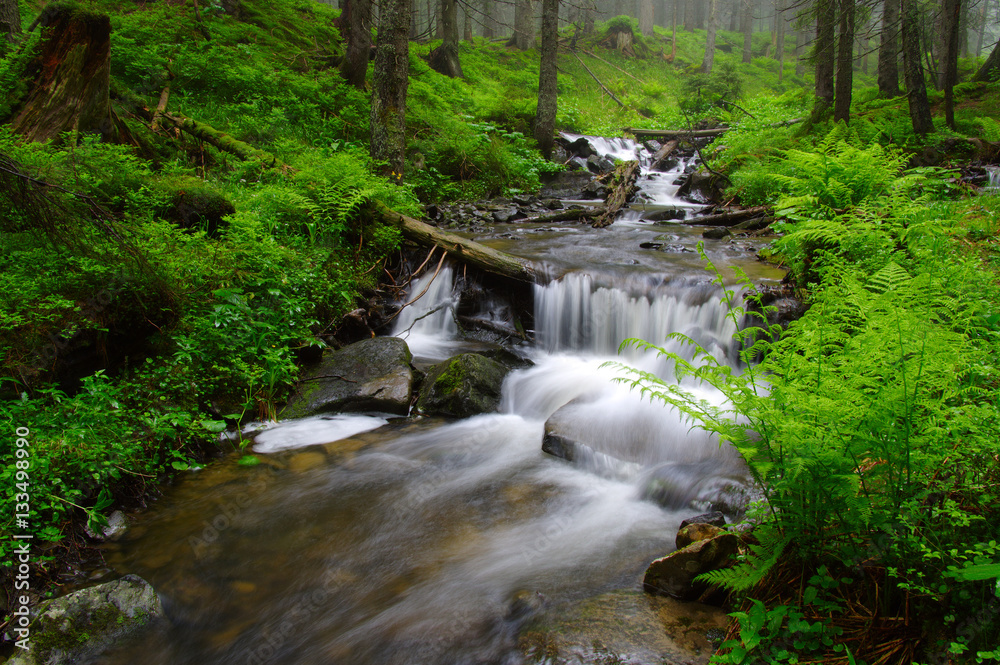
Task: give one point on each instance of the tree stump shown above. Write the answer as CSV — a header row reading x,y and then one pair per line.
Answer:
x,y
71,79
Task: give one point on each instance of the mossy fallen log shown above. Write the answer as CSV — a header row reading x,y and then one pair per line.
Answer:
x,y
464,250
223,141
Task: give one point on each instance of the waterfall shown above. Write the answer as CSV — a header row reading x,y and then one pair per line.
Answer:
x,y
994,175
427,322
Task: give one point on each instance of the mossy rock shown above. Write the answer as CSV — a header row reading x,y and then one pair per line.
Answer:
x,y
82,625
193,204
370,375
462,386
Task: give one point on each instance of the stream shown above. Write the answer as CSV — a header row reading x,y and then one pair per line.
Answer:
x,y
373,540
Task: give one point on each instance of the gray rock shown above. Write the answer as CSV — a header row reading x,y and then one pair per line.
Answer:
x,y
715,519
370,375
715,233
674,574
695,532
598,164
505,215
462,386
117,525
84,624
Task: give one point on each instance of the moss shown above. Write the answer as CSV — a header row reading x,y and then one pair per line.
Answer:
x,y
192,203
453,377
66,636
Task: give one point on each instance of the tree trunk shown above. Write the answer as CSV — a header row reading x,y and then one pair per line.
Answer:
x,y
72,78
800,61
646,18
444,59
981,30
706,64
746,26
489,24
356,24
545,116
780,21
467,23
826,26
391,78
845,63
988,71
524,26
734,16
952,10
913,71
10,20
588,17
888,52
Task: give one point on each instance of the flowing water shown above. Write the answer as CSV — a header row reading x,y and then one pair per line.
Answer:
x,y
364,540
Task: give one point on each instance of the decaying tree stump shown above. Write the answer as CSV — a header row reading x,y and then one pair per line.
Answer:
x,y
623,187
71,79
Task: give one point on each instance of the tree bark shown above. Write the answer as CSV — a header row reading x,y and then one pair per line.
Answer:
x,y
467,23
524,26
464,250
10,20
646,18
952,24
588,17
391,78
826,26
545,116
845,63
729,217
489,27
72,79
746,26
913,71
356,24
888,52
444,59
713,24
780,20
662,154
223,141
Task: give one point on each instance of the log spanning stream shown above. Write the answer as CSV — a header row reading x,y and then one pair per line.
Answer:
x,y
372,542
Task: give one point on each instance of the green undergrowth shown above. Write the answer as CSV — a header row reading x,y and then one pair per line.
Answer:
x,y
872,423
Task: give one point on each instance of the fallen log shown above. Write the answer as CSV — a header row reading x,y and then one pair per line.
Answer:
x,y
662,154
223,141
466,251
729,217
694,133
623,182
570,215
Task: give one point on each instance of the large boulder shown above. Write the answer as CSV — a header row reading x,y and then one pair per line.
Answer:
x,y
370,375
462,386
674,574
82,625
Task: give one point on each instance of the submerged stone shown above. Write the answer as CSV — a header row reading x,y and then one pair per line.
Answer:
x,y
463,386
370,375
624,626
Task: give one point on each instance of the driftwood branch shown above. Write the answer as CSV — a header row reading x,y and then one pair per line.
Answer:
x,y
594,76
624,179
462,249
